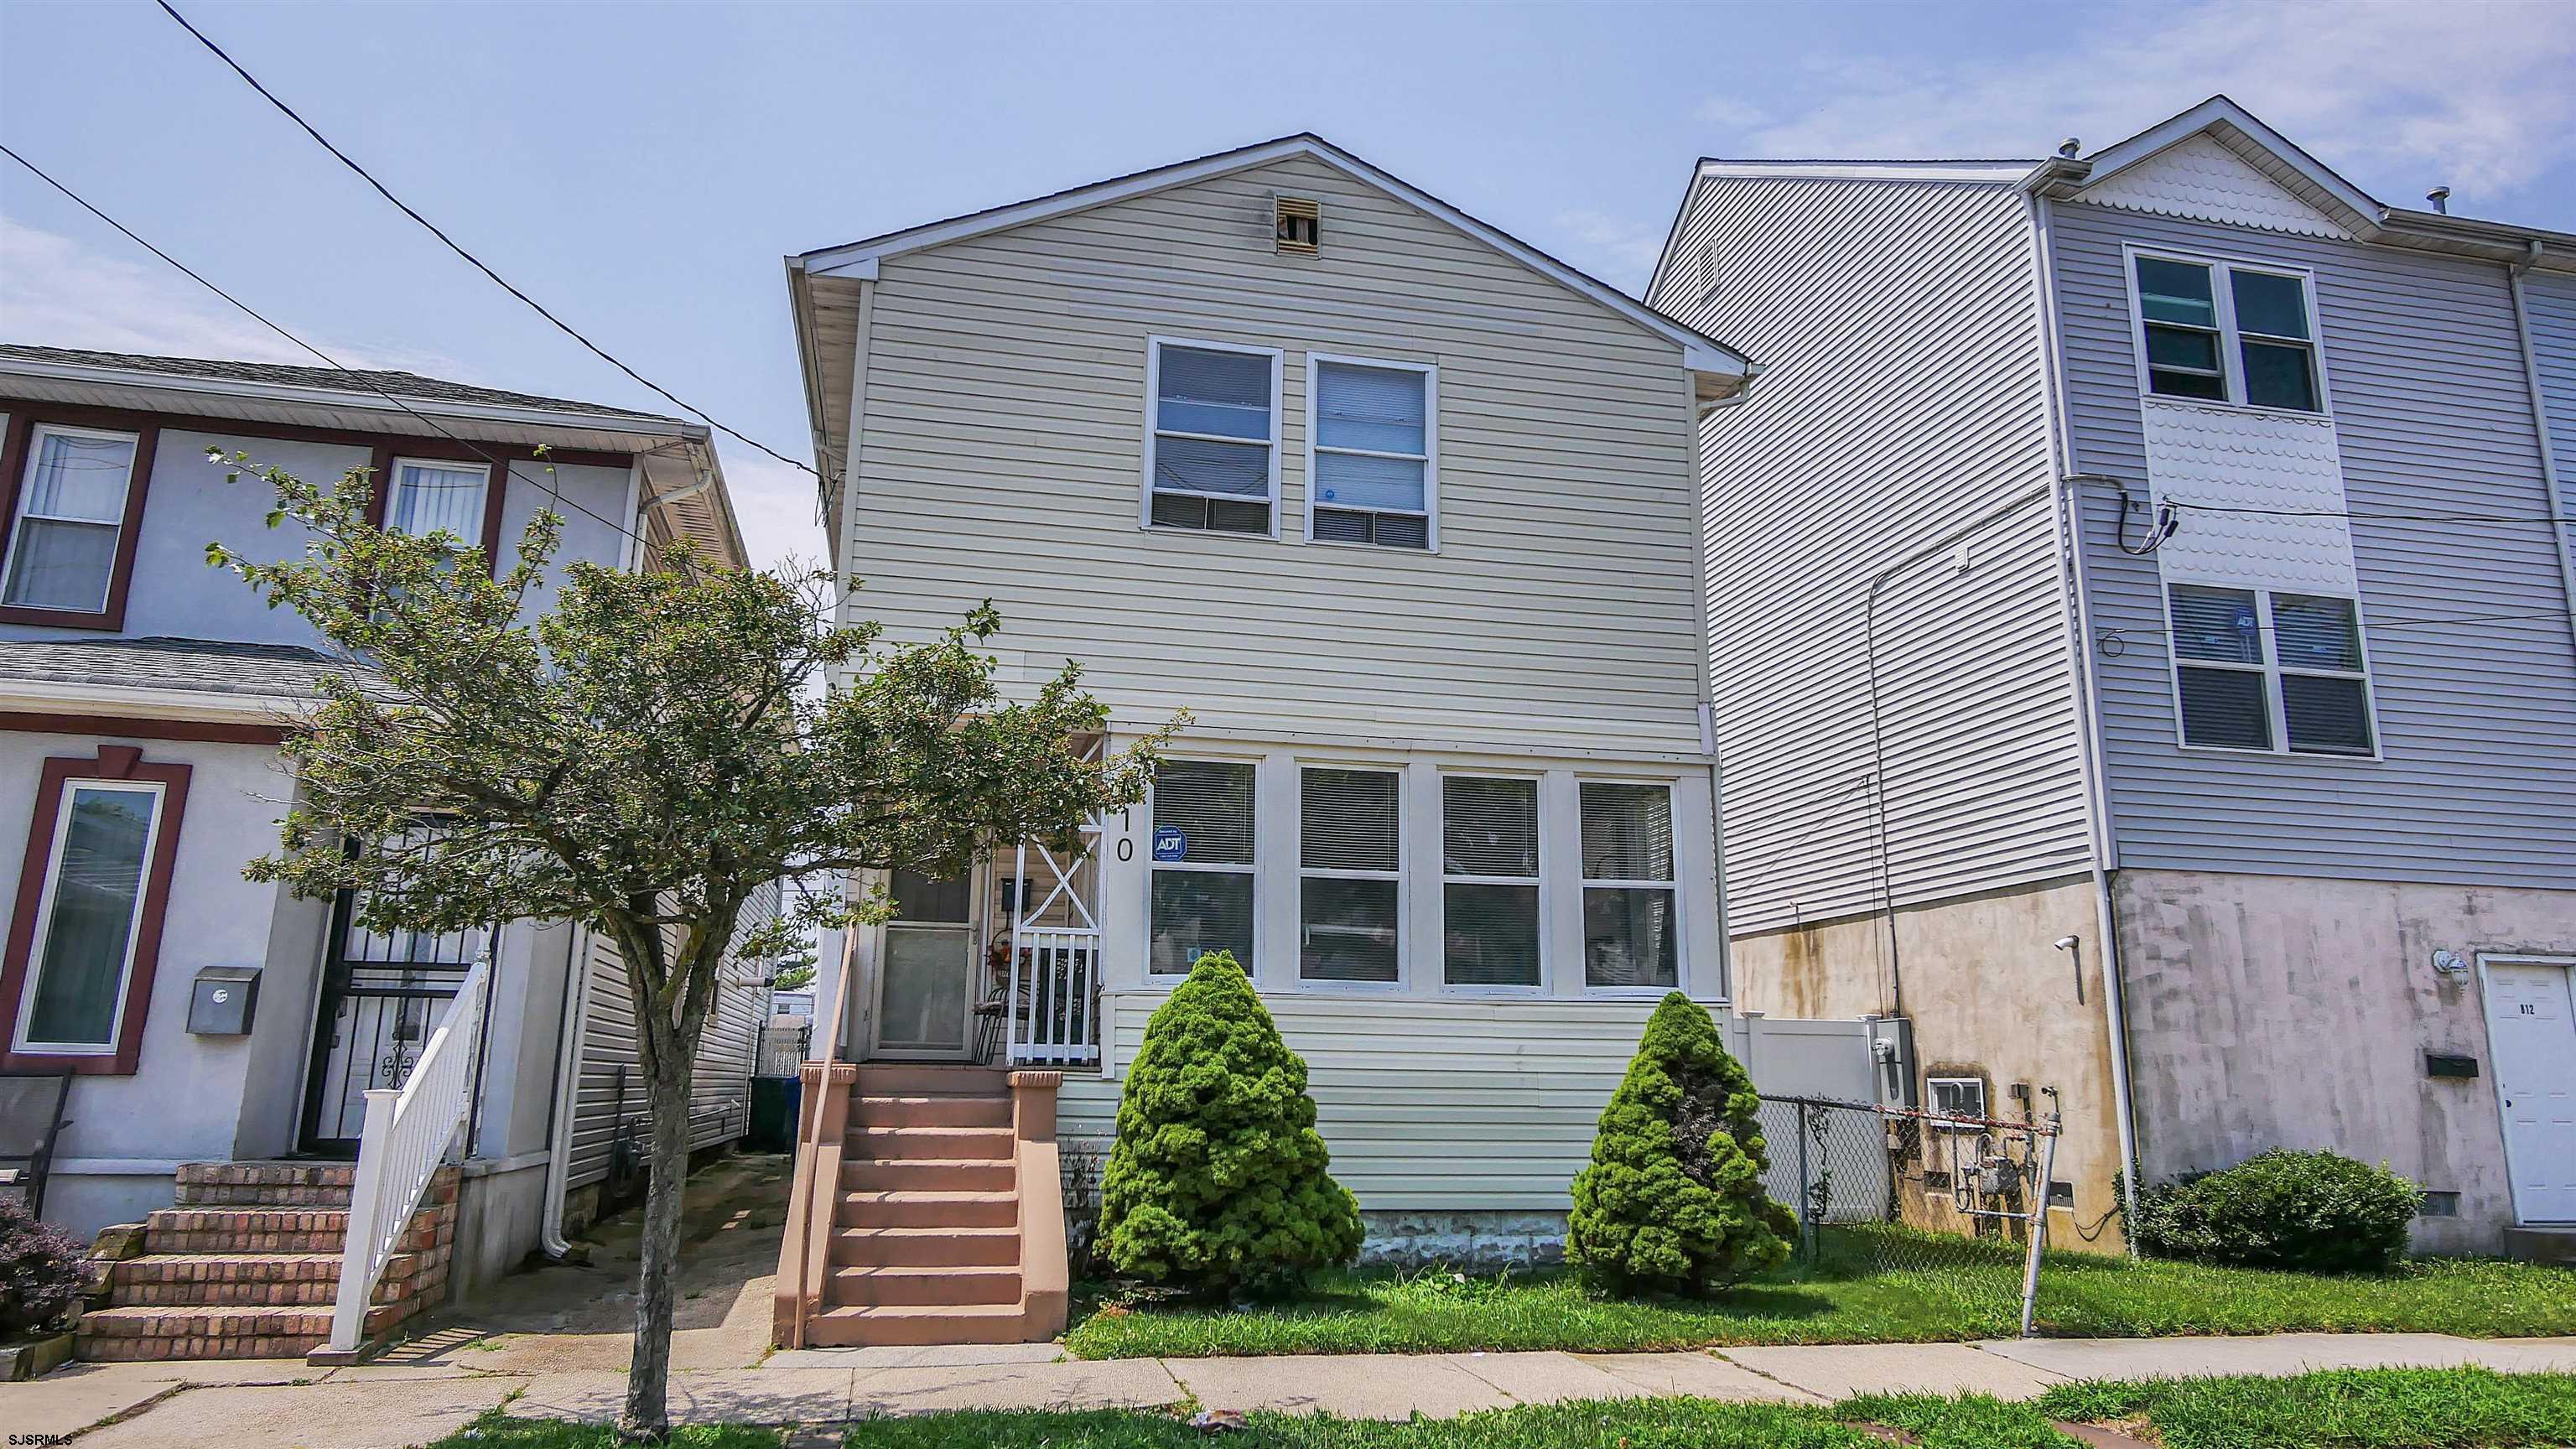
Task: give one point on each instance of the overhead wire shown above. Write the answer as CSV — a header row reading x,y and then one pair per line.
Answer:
x,y
504,283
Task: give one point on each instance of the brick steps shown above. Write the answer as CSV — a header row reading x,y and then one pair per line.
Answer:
x,y
925,1242
247,1265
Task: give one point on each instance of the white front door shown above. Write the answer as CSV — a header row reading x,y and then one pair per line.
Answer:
x,y
2531,1034
927,970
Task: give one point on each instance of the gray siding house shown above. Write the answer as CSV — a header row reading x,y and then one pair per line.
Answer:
x,y
2142,650
142,699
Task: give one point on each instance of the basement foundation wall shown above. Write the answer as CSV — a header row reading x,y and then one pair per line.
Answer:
x,y
2278,1011
1990,998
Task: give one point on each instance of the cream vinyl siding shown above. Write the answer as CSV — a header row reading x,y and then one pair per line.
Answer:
x,y
1903,398
2433,415
1426,1105
1002,418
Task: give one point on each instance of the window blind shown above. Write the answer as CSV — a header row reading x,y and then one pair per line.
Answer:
x,y
1371,458
1489,924
1209,802
69,516
1201,896
1349,899
1630,919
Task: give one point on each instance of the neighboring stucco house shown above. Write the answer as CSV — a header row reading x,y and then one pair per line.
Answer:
x,y
2164,549
1404,513
142,697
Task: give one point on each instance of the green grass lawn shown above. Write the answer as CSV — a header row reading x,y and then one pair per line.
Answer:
x,y
2343,1409
1838,1300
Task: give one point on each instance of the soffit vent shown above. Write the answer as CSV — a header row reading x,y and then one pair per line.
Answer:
x,y
1299,226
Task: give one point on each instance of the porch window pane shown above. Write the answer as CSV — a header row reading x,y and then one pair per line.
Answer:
x,y
1202,850
1491,935
1348,819
1489,924
1627,832
1197,912
1348,930
95,895
1628,938
1489,827
1630,916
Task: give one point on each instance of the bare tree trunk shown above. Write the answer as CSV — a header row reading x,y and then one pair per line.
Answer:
x,y
647,1416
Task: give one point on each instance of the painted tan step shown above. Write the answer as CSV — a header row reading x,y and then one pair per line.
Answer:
x,y
926,1247
925,1110
931,1174
878,1144
964,1323
897,1081
873,1208
879,1286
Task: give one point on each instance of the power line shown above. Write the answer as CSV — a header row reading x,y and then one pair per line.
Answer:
x,y
553,486
566,328
2370,517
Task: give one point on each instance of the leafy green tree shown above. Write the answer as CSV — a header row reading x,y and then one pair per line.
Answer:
x,y
1673,1200
639,758
796,972
1218,1181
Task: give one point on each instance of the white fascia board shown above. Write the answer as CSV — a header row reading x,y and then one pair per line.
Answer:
x,y
860,259
1989,173
41,696
2220,110
164,382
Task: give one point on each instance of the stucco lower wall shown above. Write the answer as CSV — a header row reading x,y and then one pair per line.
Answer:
x,y
1989,996
500,1214
2276,1011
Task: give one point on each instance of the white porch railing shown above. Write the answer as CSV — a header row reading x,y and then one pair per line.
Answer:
x,y
1055,995
407,1136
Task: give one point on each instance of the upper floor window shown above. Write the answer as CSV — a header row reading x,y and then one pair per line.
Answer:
x,y
1212,444
71,518
2256,669
1370,452
438,497
2221,332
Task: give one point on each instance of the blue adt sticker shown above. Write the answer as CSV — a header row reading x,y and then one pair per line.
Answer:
x,y
1169,844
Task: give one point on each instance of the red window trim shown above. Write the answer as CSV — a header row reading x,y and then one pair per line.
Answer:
x,y
13,478
113,763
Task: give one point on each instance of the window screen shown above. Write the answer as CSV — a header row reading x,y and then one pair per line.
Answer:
x,y
71,509
1214,431
1372,455
1489,898
1630,917
1202,888
1349,896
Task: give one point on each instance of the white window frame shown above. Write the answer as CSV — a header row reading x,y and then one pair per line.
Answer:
x,y
1251,966
1154,346
1538,882
1585,884
394,486
1430,455
2231,359
1403,896
44,924
1932,1090
2275,707
36,434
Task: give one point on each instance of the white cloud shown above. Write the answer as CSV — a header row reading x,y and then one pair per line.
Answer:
x,y
1619,250
55,292
2395,96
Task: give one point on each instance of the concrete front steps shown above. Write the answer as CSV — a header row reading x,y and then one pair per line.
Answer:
x,y
926,1239
247,1265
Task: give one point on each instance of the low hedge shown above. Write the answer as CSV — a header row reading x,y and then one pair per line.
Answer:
x,y
2317,1212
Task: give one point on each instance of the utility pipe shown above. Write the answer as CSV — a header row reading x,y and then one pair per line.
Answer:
x,y
2075,592
2558,531
568,1033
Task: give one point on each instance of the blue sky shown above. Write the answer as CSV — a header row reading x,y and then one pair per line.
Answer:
x,y
642,168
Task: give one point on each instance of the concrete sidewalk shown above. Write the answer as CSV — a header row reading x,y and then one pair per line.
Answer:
x,y
381,1406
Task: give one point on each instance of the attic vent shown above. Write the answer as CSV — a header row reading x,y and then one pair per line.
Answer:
x,y
1300,226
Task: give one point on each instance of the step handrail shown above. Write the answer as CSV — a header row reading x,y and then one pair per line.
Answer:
x,y
405,1140
822,1120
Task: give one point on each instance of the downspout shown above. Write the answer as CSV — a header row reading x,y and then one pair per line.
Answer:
x,y
568,1033
2075,596
2540,417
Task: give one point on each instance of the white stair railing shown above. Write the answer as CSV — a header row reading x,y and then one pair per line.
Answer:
x,y
406,1138
1055,994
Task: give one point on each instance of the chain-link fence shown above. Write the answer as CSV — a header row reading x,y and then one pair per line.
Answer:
x,y
1953,1208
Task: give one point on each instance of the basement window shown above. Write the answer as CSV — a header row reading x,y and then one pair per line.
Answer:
x,y
1955,1096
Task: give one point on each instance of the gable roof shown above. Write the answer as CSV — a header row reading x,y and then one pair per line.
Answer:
x,y
1700,352
2360,214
